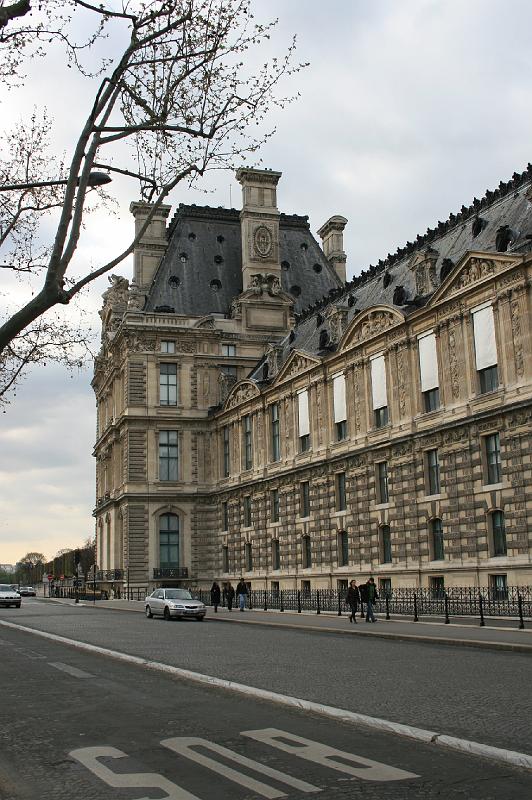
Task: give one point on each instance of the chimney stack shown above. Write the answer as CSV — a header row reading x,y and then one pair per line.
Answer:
x,y
259,220
332,236
151,248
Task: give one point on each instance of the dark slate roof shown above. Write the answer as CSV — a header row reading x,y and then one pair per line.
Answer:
x,y
508,205
201,271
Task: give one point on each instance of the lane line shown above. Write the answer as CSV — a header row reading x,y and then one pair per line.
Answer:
x,y
512,757
70,670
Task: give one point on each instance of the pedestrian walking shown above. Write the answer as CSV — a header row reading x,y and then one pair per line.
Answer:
x,y
241,593
215,596
353,599
229,596
370,595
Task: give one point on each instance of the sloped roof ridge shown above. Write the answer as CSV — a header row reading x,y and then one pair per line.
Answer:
x,y
491,196
229,215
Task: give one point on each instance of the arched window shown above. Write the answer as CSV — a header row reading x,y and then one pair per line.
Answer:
x,y
498,533
168,541
436,531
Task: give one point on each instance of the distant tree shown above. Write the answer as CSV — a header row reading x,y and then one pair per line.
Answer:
x,y
182,97
30,567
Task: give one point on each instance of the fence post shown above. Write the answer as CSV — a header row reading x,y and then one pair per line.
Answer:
x,y
387,606
250,600
416,618
318,609
298,602
265,599
446,602
481,609
339,605
281,607
520,607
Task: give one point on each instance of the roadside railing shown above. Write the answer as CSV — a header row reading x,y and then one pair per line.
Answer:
x,y
512,602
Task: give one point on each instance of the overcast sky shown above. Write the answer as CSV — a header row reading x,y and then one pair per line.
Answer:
x,y
408,110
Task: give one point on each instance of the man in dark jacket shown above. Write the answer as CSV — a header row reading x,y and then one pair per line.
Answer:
x,y
370,596
241,593
352,600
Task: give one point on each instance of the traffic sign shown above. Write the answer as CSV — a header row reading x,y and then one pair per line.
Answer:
x,y
50,576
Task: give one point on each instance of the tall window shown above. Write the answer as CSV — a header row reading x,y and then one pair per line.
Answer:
x,y
493,457
248,442
499,587
307,552
225,516
343,548
226,452
379,391
168,455
274,505
225,559
249,557
168,384
303,421
382,482
247,511
428,369
340,411
341,503
168,541
304,502
485,348
498,533
436,531
167,347
433,471
276,556
386,544
229,350
276,435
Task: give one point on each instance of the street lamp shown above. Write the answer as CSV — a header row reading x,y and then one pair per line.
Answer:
x,y
95,179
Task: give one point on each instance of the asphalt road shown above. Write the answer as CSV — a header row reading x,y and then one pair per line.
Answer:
x,y
77,724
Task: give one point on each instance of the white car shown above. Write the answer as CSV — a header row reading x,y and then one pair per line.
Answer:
x,y
8,596
174,603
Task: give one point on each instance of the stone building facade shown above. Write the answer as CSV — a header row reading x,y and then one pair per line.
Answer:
x,y
258,416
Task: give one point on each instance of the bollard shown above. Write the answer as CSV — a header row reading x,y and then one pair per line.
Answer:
x,y
298,602
446,602
520,607
416,618
387,607
281,607
339,605
318,609
481,609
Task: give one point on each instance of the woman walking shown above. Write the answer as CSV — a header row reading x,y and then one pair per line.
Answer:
x,y
353,599
215,596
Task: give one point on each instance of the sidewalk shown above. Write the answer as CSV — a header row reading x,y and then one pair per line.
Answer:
x,y
496,635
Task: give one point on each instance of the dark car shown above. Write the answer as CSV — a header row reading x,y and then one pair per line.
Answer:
x,y
8,596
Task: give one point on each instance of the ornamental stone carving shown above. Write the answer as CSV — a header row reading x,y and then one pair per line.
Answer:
x,y
453,365
262,241
136,299
477,269
273,359
423,265
516,335
241,394
265,282
117,294
337,322
374,323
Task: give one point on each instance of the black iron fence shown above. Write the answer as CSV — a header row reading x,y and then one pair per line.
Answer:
x,y
513,601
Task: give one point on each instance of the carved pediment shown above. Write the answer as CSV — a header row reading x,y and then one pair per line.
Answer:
x,y
297,363
205,322
370,323
240,393
474,268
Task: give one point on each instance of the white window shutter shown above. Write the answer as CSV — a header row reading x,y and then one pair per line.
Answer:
x,y
428,362
484,333
340,414
303,420
378,382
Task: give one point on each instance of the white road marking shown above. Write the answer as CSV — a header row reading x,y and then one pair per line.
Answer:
x,y
367,769
183,746
88,756
70,670
429,737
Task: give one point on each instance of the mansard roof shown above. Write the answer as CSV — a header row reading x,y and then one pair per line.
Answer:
x,y
503,215
201,271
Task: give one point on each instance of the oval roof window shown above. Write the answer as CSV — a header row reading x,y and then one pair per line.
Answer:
x,y
174,281
317,267
191,236
285,264
183,257
218,260
295,290
215,285
220,238
304,246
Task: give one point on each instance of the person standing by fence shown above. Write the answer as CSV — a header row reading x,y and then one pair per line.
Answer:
x,y
241,593
229,595
353,599
369,596
215,596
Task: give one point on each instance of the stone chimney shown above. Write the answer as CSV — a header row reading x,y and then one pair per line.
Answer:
x,y
151,248
332,236
259,222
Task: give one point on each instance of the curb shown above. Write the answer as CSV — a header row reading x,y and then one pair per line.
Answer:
x,y
512,757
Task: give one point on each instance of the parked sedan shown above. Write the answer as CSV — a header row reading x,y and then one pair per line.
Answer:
x,y
174,603
8,596
27,591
